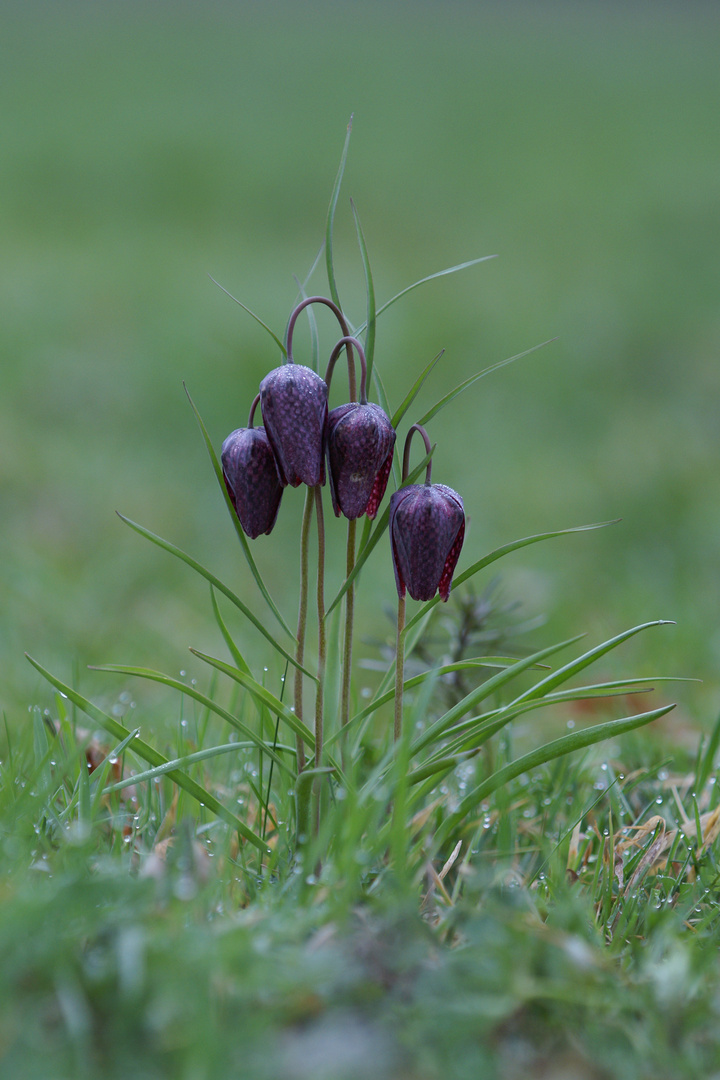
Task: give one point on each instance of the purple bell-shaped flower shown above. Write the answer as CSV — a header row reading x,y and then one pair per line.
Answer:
x,y
293,399
360,445
427,529
251,478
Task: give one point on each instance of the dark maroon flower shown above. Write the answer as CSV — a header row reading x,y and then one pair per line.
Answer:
x,y
427,528
360,445
293,400
251,478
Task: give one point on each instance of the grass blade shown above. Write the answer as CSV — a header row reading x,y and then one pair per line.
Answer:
x,y
181,763
148,753
566,744
234,518
237,656
370,291
261,695
414,391
196,566
430,277
474,378
191,691
331,219
252,314
480,693
575,666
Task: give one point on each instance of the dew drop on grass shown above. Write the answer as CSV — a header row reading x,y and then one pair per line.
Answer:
x,y
659,800
571,724
182,673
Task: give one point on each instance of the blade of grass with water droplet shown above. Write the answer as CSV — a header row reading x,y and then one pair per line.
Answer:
x,y
566,744
148,753
193,692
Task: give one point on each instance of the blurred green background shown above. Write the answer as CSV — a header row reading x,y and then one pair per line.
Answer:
x,y
145,145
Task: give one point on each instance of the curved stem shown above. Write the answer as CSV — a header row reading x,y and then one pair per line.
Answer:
x,y
302,622
346,342
406,452
399,667
253,407
301,307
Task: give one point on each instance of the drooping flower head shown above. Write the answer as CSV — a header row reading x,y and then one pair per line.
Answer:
x,y
293,399
360,446
427,529
251,477
294,407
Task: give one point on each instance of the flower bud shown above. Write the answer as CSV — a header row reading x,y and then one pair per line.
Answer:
x,y
251,478
427,528
360,445
293,400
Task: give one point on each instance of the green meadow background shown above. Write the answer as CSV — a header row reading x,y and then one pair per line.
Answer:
x,y
144,146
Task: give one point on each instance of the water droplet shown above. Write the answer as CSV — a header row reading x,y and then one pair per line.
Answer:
x,y
604,766
659,800
264,669
182,673
571,724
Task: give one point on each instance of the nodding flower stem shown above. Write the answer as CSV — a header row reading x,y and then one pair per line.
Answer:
x,y
343,325
253,407
400,639
346,342
406,453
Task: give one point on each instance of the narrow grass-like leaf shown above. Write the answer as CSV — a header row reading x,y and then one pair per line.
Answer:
x,y
193,692
252,314
261,695
707,762
332,285
237,656
566,744
374,537
575,666
431,277
498,553
446,669
148,753
370,293
439,405
217,468
480,693
414,390
196,566
182,763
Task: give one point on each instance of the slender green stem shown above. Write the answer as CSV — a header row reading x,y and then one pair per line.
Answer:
x,y
302,622
349,617
399,667
322,642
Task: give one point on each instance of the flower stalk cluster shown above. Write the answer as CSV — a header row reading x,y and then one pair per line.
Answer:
x,y
352,446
